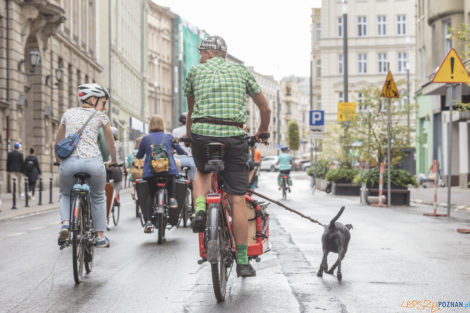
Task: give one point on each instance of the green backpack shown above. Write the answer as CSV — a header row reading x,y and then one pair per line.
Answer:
x,y
159,158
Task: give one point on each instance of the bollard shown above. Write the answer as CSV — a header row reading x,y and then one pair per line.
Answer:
x,y
14,194
434,204
40,191
50,190
381,183
26,197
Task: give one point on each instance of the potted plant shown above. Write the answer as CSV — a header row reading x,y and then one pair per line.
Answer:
x,y
342,179
321,166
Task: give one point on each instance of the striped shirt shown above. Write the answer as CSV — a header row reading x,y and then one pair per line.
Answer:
x,y
219,89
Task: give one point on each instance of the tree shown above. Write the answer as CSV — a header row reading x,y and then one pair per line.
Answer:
x,y
293,135
369,130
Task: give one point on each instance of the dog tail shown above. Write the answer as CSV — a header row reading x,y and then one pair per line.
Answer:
x,y
333,221
349,226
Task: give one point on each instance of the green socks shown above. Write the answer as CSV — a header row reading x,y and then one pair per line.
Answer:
x,y
242,257
200,204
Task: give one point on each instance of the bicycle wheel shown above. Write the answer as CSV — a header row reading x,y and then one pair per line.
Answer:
x,y
89,245
217,252
161,228
187,208
116,212
77,239
284,190
137,209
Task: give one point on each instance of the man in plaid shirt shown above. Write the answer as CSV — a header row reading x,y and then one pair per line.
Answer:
x,y
216,91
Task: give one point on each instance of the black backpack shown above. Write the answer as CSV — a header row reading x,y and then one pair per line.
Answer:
x,y
29,165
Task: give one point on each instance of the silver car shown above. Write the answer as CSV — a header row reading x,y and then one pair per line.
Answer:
x,y
268,163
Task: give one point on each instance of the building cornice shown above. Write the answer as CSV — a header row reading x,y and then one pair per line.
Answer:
x,y
64,39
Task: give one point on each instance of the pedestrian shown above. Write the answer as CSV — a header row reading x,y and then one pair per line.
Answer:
x,y
15,166
134,166
32,170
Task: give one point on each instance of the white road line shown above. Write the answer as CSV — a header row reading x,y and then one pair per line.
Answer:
x,y
16,234
38,227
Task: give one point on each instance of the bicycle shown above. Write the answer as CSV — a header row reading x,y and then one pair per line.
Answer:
x,y
113,205
186,205
284,185
82,236
217,243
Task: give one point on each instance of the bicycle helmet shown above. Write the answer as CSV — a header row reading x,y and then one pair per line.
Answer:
x,y
86,91
183,117
284,149
115,132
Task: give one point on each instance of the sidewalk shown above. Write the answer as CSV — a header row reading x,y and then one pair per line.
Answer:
x,y
460,197
7,203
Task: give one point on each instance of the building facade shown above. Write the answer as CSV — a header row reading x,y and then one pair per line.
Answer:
x,y
47,49
315,65
160,63
380,33
435,19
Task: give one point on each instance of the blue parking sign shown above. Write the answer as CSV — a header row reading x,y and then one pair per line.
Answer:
x,y
317,118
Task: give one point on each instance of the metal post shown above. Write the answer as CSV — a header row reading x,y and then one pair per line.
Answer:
x,y
50,190
40,191
408,109
278,120
389,159
345,56
311,102
26,197
14,194
450,96
110,47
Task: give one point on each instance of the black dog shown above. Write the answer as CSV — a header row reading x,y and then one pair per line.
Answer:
x,y
335,239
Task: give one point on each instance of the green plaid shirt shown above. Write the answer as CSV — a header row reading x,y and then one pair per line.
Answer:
x,y
219,89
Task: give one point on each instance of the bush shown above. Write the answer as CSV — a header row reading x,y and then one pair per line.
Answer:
x,y
341,175
400,178
322,167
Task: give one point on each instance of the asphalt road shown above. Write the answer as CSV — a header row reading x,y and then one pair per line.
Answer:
x,y
395,255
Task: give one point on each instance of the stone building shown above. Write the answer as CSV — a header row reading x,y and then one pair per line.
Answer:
x,y
433,41
160,62
47,48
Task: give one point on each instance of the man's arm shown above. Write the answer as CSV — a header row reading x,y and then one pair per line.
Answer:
x,y
188,117
265,113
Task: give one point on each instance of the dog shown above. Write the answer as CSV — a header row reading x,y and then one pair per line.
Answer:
x,y
335,239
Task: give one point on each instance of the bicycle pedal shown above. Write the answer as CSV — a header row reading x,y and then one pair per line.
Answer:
x,y
257,259
201,261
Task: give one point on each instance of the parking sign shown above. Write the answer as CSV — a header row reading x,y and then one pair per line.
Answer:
x,y
317,118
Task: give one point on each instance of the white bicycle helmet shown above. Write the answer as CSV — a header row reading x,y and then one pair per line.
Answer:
x,y
86,91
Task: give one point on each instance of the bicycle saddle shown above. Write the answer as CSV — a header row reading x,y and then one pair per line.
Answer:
x,y
82,176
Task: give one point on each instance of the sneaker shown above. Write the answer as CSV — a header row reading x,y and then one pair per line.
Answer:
x,y
64,232
102,242
173,204
133,195
245,270
288,188
148,227
199,222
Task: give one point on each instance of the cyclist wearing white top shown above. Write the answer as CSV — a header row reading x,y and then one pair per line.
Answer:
x,y
86,157
186,160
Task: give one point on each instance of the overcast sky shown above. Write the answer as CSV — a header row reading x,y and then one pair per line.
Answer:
x,y
271,35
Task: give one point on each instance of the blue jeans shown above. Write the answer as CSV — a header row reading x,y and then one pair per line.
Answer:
x,y
188,161
94,167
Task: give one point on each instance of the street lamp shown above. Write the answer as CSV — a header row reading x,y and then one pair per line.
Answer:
x,y
34,57
59,74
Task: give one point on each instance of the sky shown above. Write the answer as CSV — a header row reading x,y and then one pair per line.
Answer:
x,y
271,35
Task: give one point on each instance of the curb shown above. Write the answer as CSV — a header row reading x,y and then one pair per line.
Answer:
x,y
443,205
17,213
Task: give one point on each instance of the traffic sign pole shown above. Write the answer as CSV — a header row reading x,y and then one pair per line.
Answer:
x,y
389,146
450,95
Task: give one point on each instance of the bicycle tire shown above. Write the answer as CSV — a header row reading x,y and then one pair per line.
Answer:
x,y
116,213
90,245
284,190
187,208
216,252
161,228
137,209
77,237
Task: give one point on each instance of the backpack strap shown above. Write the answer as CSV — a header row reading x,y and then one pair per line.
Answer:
x,y
79,133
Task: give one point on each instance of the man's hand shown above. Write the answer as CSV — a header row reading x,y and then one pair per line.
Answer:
x,y
262,135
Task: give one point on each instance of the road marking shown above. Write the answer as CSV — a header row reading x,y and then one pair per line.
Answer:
x,y
16,234
38,228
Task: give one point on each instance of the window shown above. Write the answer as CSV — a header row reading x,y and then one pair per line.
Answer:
x,y
360,102
402,61
447,37
318,68
382,62
340,27
340,97
340,64
362,63
318,102
381,25
318,26
401,24
361,26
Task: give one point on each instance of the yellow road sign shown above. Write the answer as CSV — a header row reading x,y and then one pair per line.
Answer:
x,y
452,70
346,111
389,90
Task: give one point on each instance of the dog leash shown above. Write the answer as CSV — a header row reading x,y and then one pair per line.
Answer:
x,y
285,207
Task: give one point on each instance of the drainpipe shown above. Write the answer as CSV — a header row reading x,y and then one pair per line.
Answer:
x,y
7,7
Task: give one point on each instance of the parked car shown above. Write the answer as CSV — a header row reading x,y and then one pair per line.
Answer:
x,y
268,163
305,165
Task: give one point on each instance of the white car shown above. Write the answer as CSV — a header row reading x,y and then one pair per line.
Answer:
x,y
268,163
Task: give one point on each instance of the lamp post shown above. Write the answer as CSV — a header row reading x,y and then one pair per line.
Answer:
x,y
345,49
155,84
408,89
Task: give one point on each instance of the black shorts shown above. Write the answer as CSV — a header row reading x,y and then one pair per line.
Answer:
x,y
236,172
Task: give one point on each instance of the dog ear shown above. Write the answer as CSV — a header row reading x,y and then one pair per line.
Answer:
x,y
348,226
